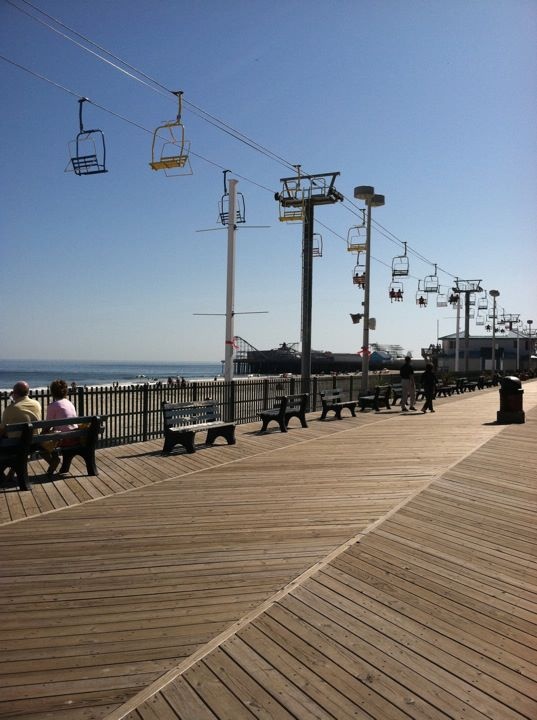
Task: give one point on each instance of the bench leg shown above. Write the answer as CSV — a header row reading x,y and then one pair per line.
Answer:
x,y
266,421
186,439
20,469
227,433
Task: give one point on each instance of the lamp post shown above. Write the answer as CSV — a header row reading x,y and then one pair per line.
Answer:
x,y
530,353
367,194
494,294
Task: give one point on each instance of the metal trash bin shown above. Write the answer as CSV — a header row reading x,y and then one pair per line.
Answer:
x,y
511,401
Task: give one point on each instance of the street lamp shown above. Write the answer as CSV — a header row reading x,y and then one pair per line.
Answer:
x,y
494,294
530,323
367,194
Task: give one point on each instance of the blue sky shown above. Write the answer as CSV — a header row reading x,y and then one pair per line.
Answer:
x,y
432,103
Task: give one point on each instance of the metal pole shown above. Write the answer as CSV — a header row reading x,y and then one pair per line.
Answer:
x,y
230,293
466,329
493,336
365,340
457,334
307,292
517,349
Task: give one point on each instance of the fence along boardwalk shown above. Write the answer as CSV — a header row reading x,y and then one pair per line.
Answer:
x,y
104,598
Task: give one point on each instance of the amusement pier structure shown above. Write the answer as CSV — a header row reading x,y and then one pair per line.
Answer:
x,y
287,359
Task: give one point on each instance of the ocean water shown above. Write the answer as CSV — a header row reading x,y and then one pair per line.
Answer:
x,y
40,373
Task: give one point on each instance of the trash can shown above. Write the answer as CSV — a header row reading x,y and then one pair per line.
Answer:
x,y
511,395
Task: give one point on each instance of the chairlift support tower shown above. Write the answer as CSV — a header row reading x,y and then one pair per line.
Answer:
x,y
467,288
298,197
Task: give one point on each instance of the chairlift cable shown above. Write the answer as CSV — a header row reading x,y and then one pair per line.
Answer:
x,y
125,119
199,112
161,89
92,52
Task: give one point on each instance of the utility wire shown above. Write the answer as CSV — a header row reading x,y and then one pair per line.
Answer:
x,y
127,120
153,84
156,86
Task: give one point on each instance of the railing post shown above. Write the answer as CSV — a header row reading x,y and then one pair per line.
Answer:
x,y
80,401
350,387
265,392
229,401
145,410
315,384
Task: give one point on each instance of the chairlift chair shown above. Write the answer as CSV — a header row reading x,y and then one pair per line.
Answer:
x,y
400,266
88,151
421,297
317,249
358,274
395,291
223,208
479,319
454,299
292,199
356,239
441,298
170,152
430,283
483,301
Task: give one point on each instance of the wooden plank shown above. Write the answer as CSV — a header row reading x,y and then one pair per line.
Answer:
x,y
106,596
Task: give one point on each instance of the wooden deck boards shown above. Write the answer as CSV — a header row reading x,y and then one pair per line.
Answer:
x,y
430,613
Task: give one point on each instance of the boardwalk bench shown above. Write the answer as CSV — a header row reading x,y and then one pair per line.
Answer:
x,y
445,389
332,400
463,384
183,420
14,453
287,407
380,398
31,438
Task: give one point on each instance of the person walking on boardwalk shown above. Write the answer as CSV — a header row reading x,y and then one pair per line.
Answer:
x,y
428,383
408,387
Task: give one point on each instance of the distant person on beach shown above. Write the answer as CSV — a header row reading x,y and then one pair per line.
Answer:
x,y
59,409
22,408
428,383
408,386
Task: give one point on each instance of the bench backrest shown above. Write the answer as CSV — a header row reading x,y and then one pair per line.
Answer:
x,y
18,437
297,403
87,429
185,414
334,395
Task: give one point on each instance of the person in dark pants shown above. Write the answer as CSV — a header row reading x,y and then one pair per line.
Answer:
x,y
408,388
428,383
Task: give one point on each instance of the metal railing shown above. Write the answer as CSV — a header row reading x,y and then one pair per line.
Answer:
x,y
134,412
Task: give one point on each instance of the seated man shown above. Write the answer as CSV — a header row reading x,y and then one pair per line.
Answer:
x,y
22,408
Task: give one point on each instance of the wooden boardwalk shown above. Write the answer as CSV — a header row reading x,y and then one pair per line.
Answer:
x,y
378,567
